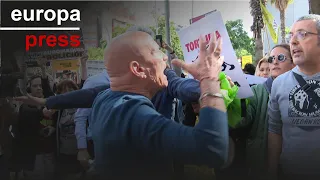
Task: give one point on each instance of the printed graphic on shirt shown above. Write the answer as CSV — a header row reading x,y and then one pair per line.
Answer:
x,y
67,125
304,110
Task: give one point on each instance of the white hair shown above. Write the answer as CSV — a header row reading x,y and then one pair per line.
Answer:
x,y
314,17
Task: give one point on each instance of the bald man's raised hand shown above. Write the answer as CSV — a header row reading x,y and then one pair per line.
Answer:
x,y
206,69
209,63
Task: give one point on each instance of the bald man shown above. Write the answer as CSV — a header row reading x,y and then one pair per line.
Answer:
x,y
131,138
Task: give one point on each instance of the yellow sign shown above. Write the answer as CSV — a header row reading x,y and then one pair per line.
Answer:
x,y
246,60
60,65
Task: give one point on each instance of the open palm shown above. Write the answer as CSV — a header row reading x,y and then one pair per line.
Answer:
x,y
209,62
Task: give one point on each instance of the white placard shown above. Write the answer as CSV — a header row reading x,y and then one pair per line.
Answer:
x,y
189,38
94,67
253,80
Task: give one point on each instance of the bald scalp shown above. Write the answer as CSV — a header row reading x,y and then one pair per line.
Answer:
x,y
124,49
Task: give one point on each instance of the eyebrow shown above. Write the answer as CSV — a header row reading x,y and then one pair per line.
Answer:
x,y
301,30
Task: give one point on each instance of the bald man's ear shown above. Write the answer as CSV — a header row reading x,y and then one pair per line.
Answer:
x,y
137,69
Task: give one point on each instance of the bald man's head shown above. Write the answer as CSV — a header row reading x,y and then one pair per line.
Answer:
x,y
134,57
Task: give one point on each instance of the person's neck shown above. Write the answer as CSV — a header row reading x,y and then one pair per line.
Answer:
x,y
132,86
309,70
132,89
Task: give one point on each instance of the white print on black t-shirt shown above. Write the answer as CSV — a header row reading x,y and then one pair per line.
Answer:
x,y
303,110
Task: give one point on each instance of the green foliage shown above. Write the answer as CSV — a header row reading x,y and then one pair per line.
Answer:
x,y
103,44
97,53
119,30
174,38
242,52
241,42
288,30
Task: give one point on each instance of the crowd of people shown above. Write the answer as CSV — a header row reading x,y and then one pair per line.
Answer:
x,y
140,119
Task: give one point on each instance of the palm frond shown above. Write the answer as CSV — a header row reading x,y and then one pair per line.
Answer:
x,y
281,5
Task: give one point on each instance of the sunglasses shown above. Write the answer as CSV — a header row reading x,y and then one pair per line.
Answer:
x,y
280,58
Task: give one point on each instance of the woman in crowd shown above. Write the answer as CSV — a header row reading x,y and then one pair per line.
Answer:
x,y
68,167
262,68
280,61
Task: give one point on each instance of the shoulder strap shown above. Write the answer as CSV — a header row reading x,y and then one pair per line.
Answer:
x,y
243,108
303,84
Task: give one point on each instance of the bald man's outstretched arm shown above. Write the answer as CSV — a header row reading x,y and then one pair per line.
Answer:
x,y
82,98
204,144
187,90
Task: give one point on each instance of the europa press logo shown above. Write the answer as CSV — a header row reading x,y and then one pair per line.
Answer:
x,y
49,15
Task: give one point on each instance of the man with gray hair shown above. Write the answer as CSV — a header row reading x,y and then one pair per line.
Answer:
x,y
294,113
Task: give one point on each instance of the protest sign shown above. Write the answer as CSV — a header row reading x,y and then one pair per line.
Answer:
x,y
253,80
246,60
189,38
195,19
95,67
65,65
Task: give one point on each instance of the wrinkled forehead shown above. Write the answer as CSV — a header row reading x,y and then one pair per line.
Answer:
x,y
147,41
304,25
146,44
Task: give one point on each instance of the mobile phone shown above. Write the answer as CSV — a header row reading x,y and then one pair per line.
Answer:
x,y
159,40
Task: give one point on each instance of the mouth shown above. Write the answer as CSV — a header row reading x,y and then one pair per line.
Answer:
x,y
276,68
296,52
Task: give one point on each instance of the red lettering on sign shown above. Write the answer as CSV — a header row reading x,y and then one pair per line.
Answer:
x,y
191,46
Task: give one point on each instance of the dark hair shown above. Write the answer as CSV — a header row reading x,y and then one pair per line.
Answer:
x,y
66,83
28,89
33,78
249,69
284,46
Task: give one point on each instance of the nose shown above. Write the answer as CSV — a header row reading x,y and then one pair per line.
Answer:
x,y
293,40
275,60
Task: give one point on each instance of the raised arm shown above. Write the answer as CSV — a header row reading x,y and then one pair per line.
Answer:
x,y
82,98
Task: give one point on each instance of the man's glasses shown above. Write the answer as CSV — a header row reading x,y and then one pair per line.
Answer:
x,y
280,58
300,35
